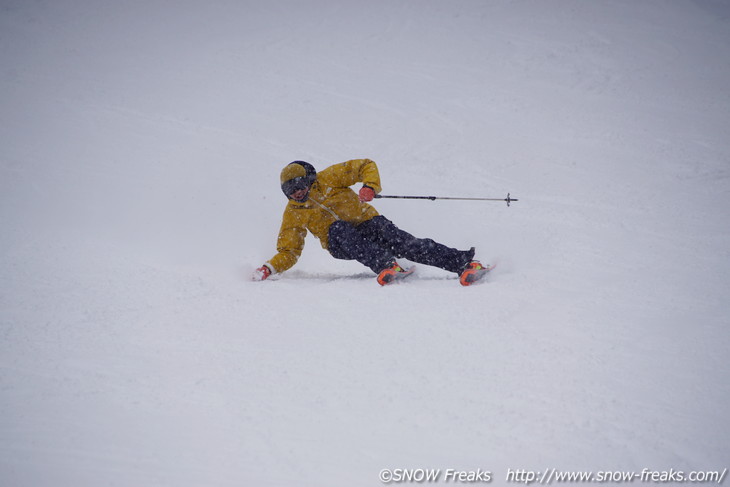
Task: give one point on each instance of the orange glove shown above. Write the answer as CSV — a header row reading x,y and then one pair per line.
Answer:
x,y
261,273
366,194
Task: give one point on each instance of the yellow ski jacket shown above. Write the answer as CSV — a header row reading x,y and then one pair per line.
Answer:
x,y
330,199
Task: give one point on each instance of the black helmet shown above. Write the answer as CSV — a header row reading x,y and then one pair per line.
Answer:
x,y
297,175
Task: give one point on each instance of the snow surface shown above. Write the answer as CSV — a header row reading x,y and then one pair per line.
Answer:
x,y
140,147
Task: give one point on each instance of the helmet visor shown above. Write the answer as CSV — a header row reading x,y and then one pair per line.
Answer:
x,y
293,185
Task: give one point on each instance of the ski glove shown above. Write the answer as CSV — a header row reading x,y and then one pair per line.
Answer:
x,y
366,194
261,273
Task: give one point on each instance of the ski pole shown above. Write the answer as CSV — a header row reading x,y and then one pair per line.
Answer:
x,y
508,199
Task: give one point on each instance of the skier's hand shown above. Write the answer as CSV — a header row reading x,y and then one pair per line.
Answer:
x,y
261,273
366,194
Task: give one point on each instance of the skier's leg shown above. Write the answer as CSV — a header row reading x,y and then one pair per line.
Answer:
x,y
422,250
345,242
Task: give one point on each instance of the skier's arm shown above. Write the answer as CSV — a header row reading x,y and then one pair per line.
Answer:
x,y
290,243
347,173
369,175
289,248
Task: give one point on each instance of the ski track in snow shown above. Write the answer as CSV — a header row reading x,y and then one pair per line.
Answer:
x,y
139,164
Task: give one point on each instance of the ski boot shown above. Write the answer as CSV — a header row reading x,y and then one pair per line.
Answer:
x,y
393,273
473,271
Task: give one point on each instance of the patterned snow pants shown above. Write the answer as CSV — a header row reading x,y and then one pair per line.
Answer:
x,y
377,242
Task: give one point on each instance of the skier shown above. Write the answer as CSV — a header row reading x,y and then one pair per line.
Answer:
x,y
351,229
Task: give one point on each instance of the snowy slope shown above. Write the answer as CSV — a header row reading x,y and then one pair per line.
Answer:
x,y
140,150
